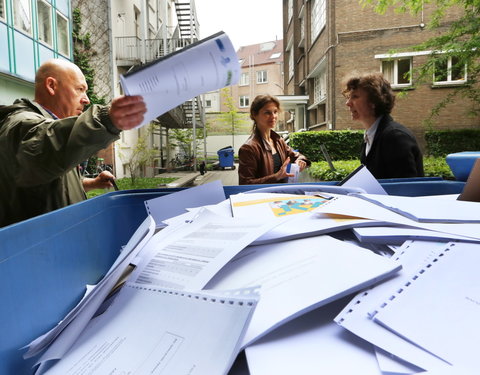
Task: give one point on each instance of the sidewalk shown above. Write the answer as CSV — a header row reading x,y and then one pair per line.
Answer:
x,y
229,177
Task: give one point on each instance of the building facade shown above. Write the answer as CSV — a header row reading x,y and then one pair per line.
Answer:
x,y
31,32
261,73
328,40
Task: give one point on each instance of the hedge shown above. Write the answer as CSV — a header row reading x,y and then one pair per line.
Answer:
x,y
444,142
340,144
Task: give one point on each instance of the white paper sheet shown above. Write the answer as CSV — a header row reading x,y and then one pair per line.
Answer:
x,y
312,344
71,326
177,203
398,235
428,210
207,65
439,310
363,178
150,330
188,255
355,316
299,275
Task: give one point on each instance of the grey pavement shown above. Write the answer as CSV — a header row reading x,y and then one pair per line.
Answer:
x,y
228,177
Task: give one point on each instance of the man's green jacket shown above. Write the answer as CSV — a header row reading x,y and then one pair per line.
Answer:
x,y
40,155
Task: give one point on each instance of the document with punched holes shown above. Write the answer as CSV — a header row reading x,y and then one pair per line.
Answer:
x,y
169,81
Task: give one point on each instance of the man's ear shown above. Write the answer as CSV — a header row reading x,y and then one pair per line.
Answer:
x,y
51,85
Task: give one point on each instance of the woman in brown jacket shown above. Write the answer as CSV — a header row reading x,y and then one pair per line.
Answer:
x,y
265,156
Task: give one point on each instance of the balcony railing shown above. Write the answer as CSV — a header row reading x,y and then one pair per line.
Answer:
x,y
130,48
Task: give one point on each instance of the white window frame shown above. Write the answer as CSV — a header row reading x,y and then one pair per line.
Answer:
x,y
244,79
48,38
318,18
394,76
449,80
25,16
67,35
243,101
262,76
320,87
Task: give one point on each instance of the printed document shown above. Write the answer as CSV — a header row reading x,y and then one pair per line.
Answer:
x,y
299,275
188,255
207,65
439,309
149,330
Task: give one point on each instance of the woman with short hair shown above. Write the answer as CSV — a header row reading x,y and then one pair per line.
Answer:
x,y
390,150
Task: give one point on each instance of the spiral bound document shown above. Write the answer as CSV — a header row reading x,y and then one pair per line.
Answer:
x,y
356,316
438,309
150,330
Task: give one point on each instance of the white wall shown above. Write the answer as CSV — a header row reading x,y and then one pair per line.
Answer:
x,y
216,142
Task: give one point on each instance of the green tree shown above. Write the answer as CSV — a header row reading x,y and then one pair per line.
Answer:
x,y
232,118
183,140
461,41
139,157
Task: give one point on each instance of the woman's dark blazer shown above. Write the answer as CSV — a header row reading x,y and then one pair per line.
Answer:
x,y
394,152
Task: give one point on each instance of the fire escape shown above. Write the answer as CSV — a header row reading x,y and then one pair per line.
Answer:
x,y
133,51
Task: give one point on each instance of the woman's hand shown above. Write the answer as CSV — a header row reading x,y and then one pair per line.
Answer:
x,y
282,172
302,164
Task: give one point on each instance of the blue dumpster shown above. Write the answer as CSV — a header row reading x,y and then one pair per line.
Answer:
x,y
461,163
46,261
225,157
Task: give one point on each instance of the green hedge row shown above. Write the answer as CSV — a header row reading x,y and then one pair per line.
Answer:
x,y
444,142
433,166
346,144
340,144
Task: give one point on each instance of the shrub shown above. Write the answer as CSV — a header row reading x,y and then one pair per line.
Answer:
x,y
444,142
340,144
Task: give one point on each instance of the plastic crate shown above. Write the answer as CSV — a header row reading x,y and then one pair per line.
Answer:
x,y
461,163
45,262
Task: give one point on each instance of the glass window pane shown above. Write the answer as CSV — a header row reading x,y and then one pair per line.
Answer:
x,y
403,71
22,18
4,65
63,35
387,69
24,56
458,70
44,22
441,70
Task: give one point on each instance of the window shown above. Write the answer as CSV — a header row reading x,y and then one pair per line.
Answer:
x,y
290,10
44,15
318,17
2,9
398,71
244,101
208,103
450,71
290,64
262,76
244,79
63,36
320,87
21,15
275,55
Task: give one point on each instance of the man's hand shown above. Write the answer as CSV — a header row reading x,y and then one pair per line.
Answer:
x,y
102,181
126,112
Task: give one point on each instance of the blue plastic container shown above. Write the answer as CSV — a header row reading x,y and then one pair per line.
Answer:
x,y
461,163
225,157
45,262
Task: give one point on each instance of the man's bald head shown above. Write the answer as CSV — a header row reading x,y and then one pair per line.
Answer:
x,y
60,87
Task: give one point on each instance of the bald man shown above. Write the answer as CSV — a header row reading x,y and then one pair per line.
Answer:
x,y
43,141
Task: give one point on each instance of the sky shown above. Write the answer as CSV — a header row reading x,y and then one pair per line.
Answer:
x,y
245,21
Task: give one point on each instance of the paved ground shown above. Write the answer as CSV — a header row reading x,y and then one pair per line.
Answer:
x,y
229,177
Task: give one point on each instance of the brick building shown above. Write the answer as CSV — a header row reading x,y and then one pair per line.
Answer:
x,y
327,40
